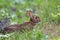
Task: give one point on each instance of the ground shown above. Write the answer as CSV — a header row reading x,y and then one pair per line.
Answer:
x,y
51,29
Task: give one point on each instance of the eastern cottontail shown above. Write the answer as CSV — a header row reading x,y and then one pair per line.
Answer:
x,y
29,25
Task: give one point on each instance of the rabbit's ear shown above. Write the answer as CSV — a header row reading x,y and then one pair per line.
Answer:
x,y
29,13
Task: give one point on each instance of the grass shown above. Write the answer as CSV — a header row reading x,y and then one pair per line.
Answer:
x,y
40,32
46,10
35,34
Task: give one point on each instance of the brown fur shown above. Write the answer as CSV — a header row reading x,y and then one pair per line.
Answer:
x,y
28,25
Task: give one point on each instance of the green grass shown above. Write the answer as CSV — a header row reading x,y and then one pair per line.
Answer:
x,y
35,34
46,10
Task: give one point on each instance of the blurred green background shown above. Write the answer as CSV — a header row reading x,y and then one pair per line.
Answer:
x,y
47,10
16,9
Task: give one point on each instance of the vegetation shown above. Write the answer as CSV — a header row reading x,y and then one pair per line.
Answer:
x,y
47,10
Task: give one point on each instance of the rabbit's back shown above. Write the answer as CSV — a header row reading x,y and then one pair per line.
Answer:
x,y
26,25
16,27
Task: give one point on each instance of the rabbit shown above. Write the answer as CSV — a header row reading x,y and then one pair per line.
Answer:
x,y
28,25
